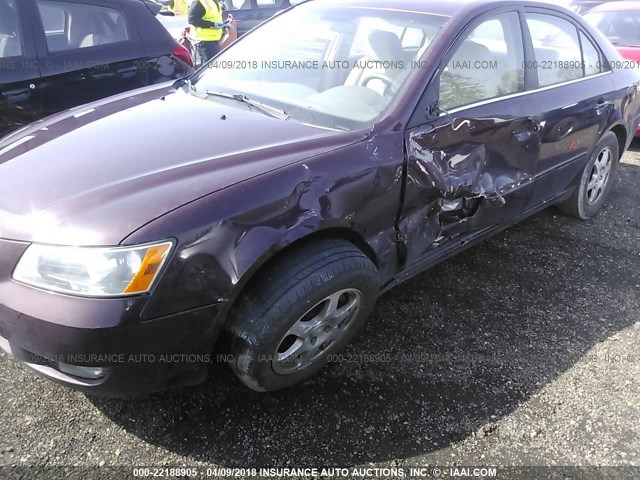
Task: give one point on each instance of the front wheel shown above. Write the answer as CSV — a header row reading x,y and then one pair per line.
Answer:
x,y
597,180
299,312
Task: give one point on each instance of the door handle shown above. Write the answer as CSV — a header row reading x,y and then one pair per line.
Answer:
x,y
128,72
601,108
521,136
18,95
526,134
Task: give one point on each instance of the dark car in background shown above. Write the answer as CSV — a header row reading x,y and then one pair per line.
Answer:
x,y
259,212
247,13
58,54
251,13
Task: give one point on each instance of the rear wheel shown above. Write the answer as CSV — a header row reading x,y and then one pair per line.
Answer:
x,y
597,180
299,311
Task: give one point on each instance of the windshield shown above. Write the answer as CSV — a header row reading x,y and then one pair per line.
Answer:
x,y
621,28
324,64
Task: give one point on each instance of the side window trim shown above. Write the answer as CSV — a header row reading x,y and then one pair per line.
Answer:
x,y
526,92
530,74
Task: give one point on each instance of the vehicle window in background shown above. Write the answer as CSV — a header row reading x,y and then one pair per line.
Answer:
x,y
10,36
592,63
266,3
71,26
343,70
556,48
488,64
238,4
621,28
54,20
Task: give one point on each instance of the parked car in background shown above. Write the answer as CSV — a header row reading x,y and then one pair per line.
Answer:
x,y
57,54
620,22
251,13
263,210
583,6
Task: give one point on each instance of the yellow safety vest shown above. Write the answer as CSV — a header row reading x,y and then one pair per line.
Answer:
x,y
213,14
180,7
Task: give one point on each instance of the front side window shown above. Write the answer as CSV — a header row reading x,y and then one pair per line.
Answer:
x,y
10,36
556,49
69,26
344,69
487,64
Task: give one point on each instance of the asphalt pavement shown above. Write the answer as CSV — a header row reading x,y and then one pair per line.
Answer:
x,y
520,351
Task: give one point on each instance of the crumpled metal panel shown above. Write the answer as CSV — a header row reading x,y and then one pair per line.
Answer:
x,y
466,175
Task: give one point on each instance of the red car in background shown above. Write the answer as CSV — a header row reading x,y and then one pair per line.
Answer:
x,y
620,22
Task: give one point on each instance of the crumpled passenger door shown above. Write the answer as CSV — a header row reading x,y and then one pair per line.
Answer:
x,y
472,148
465,174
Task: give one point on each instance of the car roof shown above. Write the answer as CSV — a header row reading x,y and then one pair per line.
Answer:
x,y
447,8
617,7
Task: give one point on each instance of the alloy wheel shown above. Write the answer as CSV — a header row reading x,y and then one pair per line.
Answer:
x,y
312,336
600,174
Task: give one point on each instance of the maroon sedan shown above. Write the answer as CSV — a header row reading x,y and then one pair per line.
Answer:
x,y
260,208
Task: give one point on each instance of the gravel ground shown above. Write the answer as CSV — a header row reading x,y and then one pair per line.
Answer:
x,y
520,351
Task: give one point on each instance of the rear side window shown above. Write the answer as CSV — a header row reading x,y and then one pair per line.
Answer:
x,y
487,64
10,35
69,26
591,57
556,47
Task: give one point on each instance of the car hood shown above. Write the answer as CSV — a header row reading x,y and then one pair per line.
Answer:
x,y
94,174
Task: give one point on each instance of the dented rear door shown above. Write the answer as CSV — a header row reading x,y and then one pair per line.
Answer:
x,y
573,99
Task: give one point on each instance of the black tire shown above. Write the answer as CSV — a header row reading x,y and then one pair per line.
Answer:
x,y
579,204
283,296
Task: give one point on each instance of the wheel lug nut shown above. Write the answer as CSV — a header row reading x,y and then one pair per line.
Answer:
x,y
313,341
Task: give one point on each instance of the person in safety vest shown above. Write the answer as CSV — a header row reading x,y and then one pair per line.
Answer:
x,y
206,17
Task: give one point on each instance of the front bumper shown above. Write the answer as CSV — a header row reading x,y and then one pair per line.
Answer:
x,y
53,333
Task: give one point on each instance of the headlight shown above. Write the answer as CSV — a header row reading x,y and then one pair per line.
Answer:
x,y
92,271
